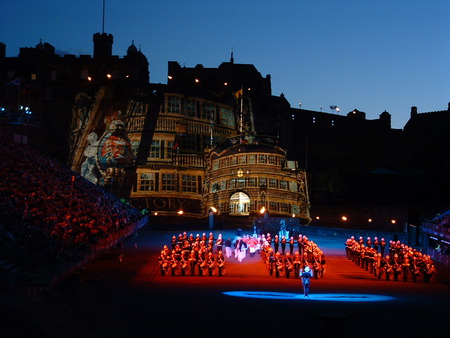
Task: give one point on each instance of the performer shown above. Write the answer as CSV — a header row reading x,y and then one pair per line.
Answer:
x,y
271,260
201,264
291,245
184,266
174,262
396,267
279,266
220,263
406,266
297,264
192,262
211,264
283,245
387,267
376,243
289,264
164,262
219,243
228,247
306,276
276,243
300,244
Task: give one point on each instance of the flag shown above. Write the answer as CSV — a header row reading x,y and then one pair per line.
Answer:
x,y
239,93
15,82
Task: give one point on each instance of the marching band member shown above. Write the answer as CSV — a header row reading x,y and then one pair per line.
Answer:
x,y
283,245
220,263
387,267
291,245
164,262
211,264
279,266
228,247
297,264
174,263
219,243
192,262
276,243
289,264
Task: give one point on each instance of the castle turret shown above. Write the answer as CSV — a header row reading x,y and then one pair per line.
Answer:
x,y
103,45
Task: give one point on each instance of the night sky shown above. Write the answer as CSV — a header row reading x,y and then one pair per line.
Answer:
x,y
370,55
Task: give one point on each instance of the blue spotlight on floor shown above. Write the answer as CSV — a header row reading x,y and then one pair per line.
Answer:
x,y
330,297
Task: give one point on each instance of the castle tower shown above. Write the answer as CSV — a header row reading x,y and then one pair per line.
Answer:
x,y
103,45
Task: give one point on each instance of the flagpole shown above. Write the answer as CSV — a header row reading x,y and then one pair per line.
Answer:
x,y
241,123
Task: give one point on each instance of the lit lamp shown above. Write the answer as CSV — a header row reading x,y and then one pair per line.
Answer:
x,y
180,212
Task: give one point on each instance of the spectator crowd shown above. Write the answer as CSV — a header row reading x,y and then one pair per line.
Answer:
x,y
49,213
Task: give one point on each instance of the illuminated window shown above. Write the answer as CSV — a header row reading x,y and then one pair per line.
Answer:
x,y
284,207
189,183
233,160
174,104
169,182
251,181
272,159
155,149
272,183
169,148
252,158
240,182
262,158
284,185
262,182
239,204
147,182
273,206
242,159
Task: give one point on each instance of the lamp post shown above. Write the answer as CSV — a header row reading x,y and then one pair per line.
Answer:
x,y
212,211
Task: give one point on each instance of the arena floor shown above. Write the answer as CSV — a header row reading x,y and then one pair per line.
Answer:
x,y
130,299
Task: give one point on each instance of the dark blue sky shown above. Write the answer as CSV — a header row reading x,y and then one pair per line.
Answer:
x,y
365,54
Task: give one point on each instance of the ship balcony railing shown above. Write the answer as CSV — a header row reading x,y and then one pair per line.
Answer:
x,y
188,160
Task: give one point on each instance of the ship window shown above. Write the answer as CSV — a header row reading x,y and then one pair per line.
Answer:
x,y
173,104
169,182
272,183
190,108
251,158
239,204
208,112
147,182
189,183
155,149
262,159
